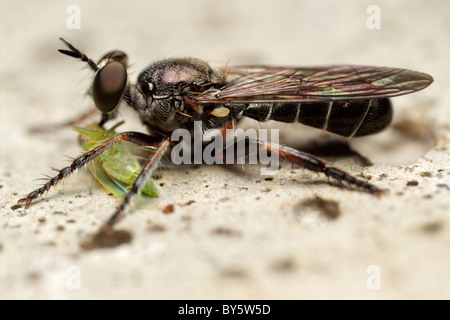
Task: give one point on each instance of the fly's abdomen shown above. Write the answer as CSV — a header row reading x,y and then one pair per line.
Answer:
x,y
351,118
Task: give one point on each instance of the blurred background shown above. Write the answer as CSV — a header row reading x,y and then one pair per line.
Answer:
x,y
50,88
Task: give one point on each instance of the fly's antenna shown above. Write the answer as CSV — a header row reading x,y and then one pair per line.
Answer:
x,y
75,53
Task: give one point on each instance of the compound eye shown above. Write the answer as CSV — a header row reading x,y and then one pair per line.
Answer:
x,y
118,56
109,85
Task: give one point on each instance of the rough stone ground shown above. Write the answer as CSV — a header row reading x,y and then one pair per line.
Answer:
x,y
232,233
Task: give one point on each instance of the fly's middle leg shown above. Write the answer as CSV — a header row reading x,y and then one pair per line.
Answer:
x,y
140,181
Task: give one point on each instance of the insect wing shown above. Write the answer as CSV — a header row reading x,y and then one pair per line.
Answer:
x,y
118,167
347,82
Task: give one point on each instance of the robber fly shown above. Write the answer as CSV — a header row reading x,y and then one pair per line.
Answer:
x,y
348,100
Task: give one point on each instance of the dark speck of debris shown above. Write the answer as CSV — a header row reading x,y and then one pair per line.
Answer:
x,y
443,186
107,238
383,176
186,218
432,227
410,169
234,273
268,178
16,206
412,183
224,231
426,174
33,276
365,177
156,228
283,265
188,203
168,209
328,209
60,228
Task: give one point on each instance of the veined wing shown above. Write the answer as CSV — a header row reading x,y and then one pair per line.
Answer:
x,y
346,82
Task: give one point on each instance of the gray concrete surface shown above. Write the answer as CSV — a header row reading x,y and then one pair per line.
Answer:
x,y
244,236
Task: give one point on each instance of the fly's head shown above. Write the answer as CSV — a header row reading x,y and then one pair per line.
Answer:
x,y
164,94
160,94
110,79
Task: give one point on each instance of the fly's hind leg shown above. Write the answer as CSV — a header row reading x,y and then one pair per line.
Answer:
x,y
312,163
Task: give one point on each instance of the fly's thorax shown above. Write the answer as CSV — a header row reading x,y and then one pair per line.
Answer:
x,y
162,88
170,73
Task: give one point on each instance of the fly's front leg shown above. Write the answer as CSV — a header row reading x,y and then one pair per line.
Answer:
x,y
107,117
133,137
313,163
140,181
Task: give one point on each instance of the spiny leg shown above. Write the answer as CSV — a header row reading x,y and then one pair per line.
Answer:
x,y
133,137
313,163
140,181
